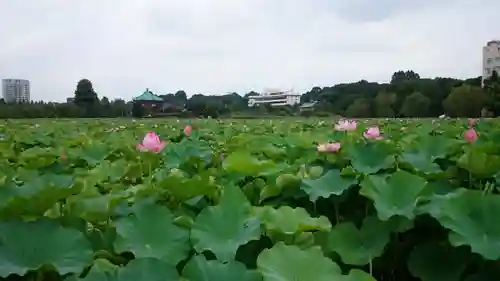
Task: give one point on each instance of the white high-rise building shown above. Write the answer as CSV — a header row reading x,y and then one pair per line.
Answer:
x,y
275,98
491,58
15,90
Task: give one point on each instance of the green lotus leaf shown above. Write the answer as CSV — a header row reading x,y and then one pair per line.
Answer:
x,y
315,172
395,195
101,239
103,265
183,187
272,151
109,171
247,164
369,158
150,232
302,240
331,183
30,245
223,228
288,220
420,161
95,152
38,157
290,263
8,192
275,185
437,262
199,269
359,246
101,270
37,195
480,163
485,273
287,181
429,149
93,208
358,275
149,269
472,218
177,154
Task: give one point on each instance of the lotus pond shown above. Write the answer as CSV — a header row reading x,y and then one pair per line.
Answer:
x,y
250,200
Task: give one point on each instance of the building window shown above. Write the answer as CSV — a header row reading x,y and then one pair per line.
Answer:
x,y
489,60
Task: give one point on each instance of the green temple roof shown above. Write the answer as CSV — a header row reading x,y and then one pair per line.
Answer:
x,y
148,96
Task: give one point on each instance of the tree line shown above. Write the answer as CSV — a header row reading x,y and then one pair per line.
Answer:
x,y
406,95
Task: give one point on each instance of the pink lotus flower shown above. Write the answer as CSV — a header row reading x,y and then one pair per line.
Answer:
x,y
346,125
471,135
473,122
151,142
373,133
187,130
329,147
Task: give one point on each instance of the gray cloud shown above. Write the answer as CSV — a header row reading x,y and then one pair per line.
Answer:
x,y
217,46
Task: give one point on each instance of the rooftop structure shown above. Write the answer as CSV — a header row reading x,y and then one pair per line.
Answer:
x,y
148,96
491,58
275,98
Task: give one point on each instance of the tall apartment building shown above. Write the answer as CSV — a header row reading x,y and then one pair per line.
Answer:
x,y
16,90
491,58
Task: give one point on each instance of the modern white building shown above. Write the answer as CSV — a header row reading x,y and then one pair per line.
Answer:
x,y
15,90
275,98
491,58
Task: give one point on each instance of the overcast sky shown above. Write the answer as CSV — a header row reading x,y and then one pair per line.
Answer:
x,y
219,46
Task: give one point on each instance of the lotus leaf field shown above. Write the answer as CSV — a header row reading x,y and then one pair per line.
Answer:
x,y
249,200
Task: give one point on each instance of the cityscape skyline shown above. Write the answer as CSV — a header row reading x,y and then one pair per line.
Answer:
x,y
228,46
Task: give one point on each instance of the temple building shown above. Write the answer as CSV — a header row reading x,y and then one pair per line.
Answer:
x,y
149,101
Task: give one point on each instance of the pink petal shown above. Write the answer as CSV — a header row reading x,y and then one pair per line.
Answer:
x,y
151,140
161,146
329,147
333,147
471,135
141,147
321,148
187,130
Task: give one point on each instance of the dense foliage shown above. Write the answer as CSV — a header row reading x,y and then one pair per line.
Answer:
x,y
249,200
406,95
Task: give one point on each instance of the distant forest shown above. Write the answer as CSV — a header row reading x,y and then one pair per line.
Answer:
x,y
406,95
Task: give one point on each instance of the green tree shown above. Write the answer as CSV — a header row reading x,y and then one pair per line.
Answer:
x,y
415,105
383,104
181,97
492,87
360,108
401,76
86,97
465,101
137,110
